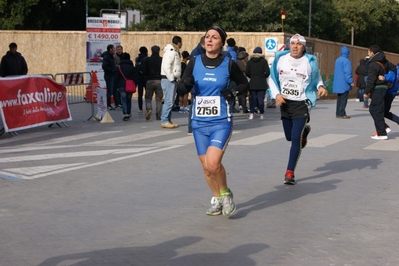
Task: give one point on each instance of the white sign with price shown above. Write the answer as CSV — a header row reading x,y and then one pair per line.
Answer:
x,y
100,32
99,37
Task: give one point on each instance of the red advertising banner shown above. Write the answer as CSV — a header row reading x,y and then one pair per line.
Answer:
x,y
30,101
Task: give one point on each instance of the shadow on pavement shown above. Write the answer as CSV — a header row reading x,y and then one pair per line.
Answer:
x,y
341,166
162,254
283,194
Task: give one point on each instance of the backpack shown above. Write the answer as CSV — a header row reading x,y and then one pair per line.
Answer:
x,y
389,84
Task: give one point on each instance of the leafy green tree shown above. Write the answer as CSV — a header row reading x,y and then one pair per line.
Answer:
x,y
12,13
373,21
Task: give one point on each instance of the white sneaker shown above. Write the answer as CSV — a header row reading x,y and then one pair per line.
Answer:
x,y
379,137
216,207
228,206
387,129
251,116
262,117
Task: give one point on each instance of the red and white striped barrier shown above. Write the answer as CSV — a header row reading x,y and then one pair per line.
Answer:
x,y
73,79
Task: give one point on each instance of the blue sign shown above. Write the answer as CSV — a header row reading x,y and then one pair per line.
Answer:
x,y
271,44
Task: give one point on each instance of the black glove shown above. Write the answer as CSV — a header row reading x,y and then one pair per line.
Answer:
x,y
189,82
181,88
228,94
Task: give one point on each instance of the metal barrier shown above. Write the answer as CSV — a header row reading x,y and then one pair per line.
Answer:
x,y
76,84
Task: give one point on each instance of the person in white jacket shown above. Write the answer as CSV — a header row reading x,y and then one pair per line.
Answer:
x,y
295,82
170,73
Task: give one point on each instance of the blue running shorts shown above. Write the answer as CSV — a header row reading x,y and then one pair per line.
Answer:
x,y
211,134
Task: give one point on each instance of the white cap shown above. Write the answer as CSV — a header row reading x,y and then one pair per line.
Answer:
x,y
299,38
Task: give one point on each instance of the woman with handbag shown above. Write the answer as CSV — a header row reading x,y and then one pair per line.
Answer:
x,y
126,75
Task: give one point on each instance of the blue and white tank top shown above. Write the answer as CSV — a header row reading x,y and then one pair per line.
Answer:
x,y
209,104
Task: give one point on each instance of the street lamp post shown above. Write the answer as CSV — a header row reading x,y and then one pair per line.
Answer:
x,y
310,17
282,19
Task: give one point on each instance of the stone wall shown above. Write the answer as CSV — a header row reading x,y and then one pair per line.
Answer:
x,y
64,51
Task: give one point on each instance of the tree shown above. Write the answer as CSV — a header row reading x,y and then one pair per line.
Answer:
x,y
12,13
373,21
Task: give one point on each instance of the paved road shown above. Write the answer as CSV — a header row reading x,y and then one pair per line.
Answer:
x,y
131,193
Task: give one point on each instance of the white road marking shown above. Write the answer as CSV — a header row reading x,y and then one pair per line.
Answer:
x,y
24,149
259,139
180,141
384,145
133,137
21,137
328,139
26,172
75,137
77,167
38,157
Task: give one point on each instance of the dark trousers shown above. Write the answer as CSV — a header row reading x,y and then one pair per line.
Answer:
x,y
140,90
257,99
109,82
387,107
377,109
342,100
293,130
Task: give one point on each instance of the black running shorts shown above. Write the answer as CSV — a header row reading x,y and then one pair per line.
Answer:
x,y
295,109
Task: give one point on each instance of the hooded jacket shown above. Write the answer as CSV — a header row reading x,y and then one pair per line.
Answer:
x,y
171,64
258,71
311,89
374,70
343,72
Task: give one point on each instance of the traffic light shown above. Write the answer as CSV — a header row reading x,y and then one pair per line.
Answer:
x,y
282,13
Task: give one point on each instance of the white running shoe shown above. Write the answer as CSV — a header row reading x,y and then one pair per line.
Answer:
x,y
228,206
216,207
379,137
251,116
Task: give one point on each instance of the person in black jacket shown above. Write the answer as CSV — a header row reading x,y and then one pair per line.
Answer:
x,y
361,72
129,71
151,68
376,89
258,71
109,67
13,63
141,80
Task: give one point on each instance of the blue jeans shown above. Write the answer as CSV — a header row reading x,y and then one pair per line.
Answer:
x,y
360,94
126,101
342,100
169,92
